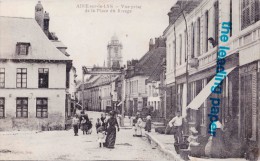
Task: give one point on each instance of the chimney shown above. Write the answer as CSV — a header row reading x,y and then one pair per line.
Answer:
x,y
160,42
173,14
151,44
46,23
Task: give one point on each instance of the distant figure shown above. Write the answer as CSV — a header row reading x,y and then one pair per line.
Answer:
x,y
111,130
84,126
138,126
148,125
89,124
103,120
75,124
98,124
176,123
101,136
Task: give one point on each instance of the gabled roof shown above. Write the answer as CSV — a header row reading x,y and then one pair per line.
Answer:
x,y
149,63
14,30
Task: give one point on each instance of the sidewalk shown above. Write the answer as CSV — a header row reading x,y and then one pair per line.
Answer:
x,y
165,143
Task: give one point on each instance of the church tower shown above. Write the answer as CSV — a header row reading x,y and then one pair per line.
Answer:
x,y
114,53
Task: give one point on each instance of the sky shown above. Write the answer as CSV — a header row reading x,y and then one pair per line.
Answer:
x,y
86,34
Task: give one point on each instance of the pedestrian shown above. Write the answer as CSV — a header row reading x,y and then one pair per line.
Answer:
x,y
215,145
111,130
84,126
75,124
101,136
176,123
134,121
89,124
98,124
138,126
148,124
103,120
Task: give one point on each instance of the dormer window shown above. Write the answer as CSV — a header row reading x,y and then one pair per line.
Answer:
x,y
22,48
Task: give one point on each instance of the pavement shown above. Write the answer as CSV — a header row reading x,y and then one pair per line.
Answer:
x,y
63,145
165,143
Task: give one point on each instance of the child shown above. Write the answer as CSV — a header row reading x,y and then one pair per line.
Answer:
x,y
101,136
98,124
148,125
75,124
193,138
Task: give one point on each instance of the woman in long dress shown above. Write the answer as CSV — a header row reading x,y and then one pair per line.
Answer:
x,y
138,126
111,130
215,147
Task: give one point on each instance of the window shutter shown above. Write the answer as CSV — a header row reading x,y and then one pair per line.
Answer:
x,y
252,11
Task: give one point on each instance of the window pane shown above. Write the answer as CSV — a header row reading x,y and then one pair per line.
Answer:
x,y
19,70
45,102
24,76
38,114
38,102
40,70
24,70
2,70
1,114
18,102
19,85
19,114
25,101
24,85
46,70
1,101
2,85
24,114
19,76
44,114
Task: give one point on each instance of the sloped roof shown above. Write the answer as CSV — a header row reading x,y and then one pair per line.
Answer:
x,y
14,29
149,63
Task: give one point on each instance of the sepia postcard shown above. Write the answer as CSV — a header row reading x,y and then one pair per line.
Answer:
x,y
130,80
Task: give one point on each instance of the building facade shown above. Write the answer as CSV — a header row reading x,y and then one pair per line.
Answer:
x,y
189,42
138,73
32,95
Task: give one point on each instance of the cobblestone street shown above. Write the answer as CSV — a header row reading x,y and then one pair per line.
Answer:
x,y
63,145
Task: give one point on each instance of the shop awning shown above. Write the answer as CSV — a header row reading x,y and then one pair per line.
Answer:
x,y
204,93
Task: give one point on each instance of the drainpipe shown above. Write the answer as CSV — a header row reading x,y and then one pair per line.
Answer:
x,y
187,63
175,53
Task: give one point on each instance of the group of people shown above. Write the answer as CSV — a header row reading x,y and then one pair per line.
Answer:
x,y
83,123
138,125
215,146
106,128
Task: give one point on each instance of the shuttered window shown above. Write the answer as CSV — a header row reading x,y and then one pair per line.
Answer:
x,y
250,12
